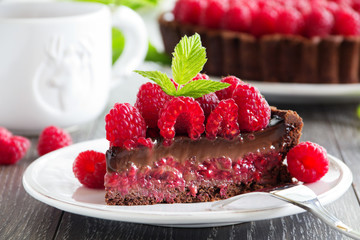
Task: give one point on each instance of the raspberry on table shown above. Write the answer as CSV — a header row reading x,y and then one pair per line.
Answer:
x,y
254,111
124,122
307,162
89,168
53,138
12,148
223,120
227,92
347,22
4,133
318,22
181,114
150,99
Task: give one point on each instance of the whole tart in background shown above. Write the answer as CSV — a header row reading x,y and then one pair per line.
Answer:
x,y
278,41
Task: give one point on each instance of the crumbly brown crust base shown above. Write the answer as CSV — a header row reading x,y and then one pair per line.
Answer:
x,y
205,194
272,58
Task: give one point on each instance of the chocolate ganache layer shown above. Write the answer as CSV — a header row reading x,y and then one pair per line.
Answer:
x,y
279,135
202,170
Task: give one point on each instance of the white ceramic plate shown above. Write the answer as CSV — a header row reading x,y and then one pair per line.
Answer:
x,y
50,179
308,93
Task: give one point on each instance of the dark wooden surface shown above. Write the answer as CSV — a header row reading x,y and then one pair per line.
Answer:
x,y
336,127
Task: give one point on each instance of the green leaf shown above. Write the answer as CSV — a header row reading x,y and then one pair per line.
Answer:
x,y
155,56
160,79
199,88
134,4
189,59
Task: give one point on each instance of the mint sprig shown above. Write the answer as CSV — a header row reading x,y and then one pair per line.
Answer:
x,y
188,60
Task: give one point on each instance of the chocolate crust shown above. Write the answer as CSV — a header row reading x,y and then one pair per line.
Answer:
x,y
272,58
204,194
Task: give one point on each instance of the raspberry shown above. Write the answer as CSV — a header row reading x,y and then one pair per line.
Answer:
x,y
227,92
254,111
188,11
89,168
318,22
289,21
4,133
213,14
130,144
124,122
223,120
264,21
150,99
208,103
238,17
12,148
181,114
307,162
200,76
52,138
347,22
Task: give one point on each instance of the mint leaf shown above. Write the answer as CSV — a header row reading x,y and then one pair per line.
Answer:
x,y
189,59
160,79
199,88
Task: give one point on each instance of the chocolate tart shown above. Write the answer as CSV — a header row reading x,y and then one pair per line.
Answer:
x,y
271,58
202,170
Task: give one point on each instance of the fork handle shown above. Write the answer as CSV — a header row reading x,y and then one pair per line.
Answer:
x,y
315,207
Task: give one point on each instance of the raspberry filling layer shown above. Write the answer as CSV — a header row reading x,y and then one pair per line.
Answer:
x,y
164,171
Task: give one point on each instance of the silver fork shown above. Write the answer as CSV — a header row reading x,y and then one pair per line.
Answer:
x,y
302,196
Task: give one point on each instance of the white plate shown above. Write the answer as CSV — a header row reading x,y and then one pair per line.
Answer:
x,y
50,179
308,93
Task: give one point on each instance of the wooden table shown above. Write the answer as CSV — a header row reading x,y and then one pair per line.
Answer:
x,y
336,127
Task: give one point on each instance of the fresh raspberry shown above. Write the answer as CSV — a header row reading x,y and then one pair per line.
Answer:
x,y
347,22
130,144
200,76
188,11
356,5
213,14
264,21
223,120
238,17
227,92
208,103
52,138
150,99
12,148
254,111
181,114
318,22
302,6
289,21
89,168
4,133
307,162
124,122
